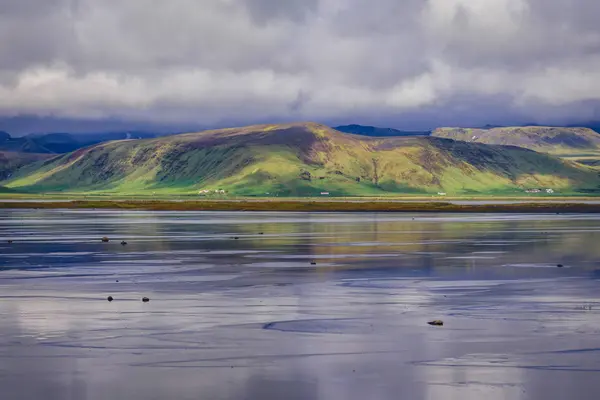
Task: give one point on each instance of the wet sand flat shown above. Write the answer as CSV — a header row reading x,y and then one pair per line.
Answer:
x,y
274,305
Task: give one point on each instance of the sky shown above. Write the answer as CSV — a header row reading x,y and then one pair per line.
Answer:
x,y
409,64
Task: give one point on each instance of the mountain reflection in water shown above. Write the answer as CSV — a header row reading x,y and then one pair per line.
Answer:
x,y
252,318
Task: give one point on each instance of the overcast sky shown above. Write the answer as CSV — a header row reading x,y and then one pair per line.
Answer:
x,y
400,63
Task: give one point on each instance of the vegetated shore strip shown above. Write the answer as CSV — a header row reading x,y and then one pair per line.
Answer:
x,y
314,206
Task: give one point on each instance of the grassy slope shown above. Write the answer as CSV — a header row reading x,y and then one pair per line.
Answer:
x,y
300,160
10,162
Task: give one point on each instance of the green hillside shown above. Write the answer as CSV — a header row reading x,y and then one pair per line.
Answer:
x,y
10,162
300,160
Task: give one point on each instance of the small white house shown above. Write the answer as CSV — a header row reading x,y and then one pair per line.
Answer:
x,y
549,191
441,193
324,193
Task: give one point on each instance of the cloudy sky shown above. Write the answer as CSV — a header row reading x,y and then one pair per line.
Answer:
x,y
400,63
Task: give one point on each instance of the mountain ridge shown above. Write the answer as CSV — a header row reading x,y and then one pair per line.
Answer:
x,y
300,159
546,139
373,131
61,143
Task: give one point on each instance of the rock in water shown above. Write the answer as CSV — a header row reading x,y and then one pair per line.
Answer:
x,y
123,243
110,298
105,239
9,241
145,299
313,263
437,322
560,265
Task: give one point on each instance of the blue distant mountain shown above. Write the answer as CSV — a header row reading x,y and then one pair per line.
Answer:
x,y
378,132
59,143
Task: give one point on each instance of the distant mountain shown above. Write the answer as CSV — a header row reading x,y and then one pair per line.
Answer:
x,y
67,142
59,143
373,131
302,159
20,144
553,140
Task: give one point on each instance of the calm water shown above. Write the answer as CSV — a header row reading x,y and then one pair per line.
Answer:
x,y
251,318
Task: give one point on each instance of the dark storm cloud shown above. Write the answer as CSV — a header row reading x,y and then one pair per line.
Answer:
x,y
32,32
215,61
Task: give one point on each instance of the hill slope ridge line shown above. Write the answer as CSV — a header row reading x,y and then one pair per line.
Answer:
x,y
301,159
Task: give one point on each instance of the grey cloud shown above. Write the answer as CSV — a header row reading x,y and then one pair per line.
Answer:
x,y
519,35
214,61
28,8
263,11
386,17
298,103
33,32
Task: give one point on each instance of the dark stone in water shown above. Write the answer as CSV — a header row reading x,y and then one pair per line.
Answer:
x,y
145,299
117,281
261,233
560,265
236,238
123,243
313,263
110,298
105,239
437,322
9,241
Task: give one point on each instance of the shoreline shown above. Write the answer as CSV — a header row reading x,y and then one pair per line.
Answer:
x,y
306,206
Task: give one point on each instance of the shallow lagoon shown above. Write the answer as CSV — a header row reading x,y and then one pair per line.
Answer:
x,y
251,318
